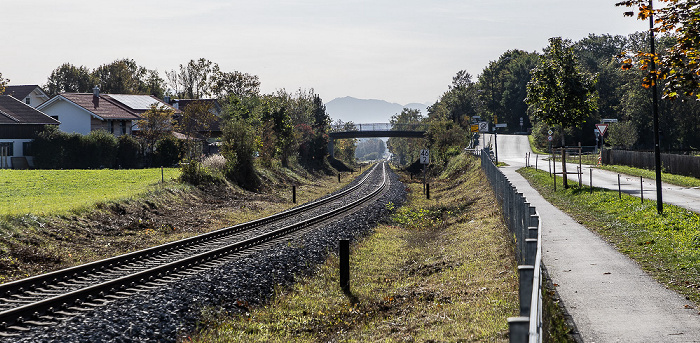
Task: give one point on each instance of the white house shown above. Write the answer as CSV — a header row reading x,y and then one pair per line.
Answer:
x,y
19,123
31,95
85,112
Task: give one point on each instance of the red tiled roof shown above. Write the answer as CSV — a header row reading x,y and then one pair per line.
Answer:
x,y
14,111
102,106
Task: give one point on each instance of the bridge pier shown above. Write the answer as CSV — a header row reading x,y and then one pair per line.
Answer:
x,y
331,147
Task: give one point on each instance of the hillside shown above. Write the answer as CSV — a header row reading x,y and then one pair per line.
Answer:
x,y
367,110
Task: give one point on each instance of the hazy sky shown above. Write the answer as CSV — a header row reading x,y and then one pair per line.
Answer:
x,y
400,51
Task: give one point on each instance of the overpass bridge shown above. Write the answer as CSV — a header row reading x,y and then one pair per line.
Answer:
x,y
374,130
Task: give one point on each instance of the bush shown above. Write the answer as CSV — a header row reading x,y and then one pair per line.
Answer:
x,y
194,173
54,149
238,148
128,149
100,149
47,148
167,151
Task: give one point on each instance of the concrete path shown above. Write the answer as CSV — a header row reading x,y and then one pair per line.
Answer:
x,y
608,295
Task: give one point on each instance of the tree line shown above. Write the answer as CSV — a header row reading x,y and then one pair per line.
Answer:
x,y
568,88
275,129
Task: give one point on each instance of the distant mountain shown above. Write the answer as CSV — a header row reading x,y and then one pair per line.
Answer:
x,y
367,110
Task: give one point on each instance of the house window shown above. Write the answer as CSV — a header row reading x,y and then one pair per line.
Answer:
x,y
123,127
111,127
27,149
7,148
28,101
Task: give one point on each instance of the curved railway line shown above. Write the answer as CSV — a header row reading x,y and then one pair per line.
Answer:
x,y
48,298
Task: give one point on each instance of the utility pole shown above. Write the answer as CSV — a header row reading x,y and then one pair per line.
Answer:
x,y
655,109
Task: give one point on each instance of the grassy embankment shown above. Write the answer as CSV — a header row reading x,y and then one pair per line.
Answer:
x,y
666,246
438,270
42,192
52,219
685,181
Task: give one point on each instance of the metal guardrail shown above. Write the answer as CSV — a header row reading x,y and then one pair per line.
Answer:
x,y
378,127
523,221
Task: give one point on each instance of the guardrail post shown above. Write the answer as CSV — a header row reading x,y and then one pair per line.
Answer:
x,y
518,329
531,250
527,273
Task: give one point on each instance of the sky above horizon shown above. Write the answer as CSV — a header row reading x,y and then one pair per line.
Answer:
x,y
400,51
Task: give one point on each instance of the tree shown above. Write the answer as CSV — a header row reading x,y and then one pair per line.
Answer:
x,y
197,117
238,147
194,80
155,123
237,83
344,149
622,134
405,150
559,93
679,67
3,82
121,77
68,78
370,149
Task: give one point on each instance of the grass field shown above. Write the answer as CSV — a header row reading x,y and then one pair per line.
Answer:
x,y
58,191
666,246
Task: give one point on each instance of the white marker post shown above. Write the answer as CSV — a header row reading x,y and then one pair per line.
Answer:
x,y
424,160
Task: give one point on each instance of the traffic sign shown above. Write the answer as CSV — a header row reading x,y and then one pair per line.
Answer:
x,y
475,128
483,126
602,128
502,125
549,138
550,132
425,156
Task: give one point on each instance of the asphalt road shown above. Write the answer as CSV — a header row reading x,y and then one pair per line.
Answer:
x,y
608,296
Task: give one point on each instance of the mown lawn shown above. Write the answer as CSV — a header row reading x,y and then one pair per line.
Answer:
x,y
666,246
57,191
441,270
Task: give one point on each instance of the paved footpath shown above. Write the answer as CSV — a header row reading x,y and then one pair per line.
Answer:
x,y
608,295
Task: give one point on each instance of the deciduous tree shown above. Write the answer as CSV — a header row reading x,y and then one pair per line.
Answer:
x,y
679,66
3,82
560,93
68,78
156,122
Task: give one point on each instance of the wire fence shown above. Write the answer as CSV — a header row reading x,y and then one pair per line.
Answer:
x,y
523,221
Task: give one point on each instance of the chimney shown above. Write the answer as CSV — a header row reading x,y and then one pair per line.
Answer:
x,y
96,96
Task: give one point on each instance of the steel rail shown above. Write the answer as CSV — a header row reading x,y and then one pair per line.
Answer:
x,y
43,280
63,302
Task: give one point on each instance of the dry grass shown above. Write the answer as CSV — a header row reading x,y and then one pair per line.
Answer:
x,y
441,270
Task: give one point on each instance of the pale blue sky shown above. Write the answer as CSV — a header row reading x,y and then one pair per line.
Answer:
x,y
400,51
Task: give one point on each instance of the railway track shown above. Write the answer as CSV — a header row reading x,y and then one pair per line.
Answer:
x,y
48,298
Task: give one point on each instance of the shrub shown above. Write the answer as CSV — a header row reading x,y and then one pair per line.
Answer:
x,y
99,149
167,151
128,149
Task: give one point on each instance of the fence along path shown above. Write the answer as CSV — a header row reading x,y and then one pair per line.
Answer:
x,y
608,296
524,224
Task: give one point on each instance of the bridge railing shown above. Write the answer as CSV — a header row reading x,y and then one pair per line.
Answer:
x,y
378,127
523,221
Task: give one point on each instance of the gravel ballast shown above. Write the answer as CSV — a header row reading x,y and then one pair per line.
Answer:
x,y
173,311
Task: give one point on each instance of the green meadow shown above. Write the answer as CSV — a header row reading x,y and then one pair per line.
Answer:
x,y
58,191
